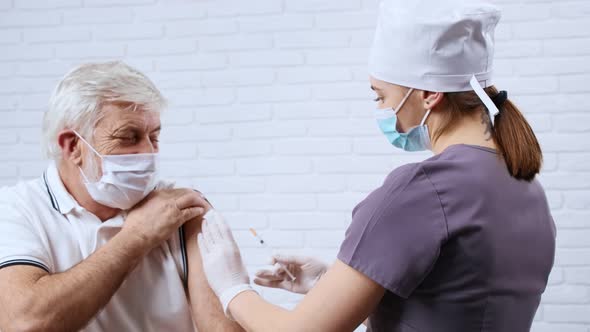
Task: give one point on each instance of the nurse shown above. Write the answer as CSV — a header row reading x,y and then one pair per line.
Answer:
x,y
463,241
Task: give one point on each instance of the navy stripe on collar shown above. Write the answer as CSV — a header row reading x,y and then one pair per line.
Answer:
x,y
51,195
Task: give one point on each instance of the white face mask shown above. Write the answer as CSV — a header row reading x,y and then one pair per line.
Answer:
x,y
126,178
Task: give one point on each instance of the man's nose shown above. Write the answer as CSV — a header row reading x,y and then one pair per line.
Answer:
x,y
147,146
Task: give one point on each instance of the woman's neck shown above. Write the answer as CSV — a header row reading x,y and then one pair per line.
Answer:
x,y
470,130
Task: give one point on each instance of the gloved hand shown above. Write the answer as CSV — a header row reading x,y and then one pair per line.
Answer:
x,y
307,272
222,261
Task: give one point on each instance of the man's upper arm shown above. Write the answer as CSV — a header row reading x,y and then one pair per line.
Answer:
x,y
23,261
207,312
16,280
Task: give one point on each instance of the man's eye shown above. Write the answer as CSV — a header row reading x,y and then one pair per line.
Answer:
x,y
128,139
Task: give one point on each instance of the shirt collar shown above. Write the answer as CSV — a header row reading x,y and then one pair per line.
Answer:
x,y
60,198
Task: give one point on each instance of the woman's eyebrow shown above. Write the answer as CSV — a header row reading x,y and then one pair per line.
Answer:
x,y
374,88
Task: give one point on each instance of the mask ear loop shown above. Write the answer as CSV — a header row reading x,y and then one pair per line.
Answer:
x,y
93,150
425,117
85,141
401,104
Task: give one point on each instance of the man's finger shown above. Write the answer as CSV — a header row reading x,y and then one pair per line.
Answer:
x,y
191,213
189,199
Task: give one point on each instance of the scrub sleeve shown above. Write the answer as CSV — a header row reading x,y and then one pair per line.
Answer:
x,y
397,232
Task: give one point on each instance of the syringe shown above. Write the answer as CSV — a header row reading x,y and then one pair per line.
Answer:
x,y
261,241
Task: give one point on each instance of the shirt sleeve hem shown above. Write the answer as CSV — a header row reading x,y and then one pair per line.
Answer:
x,y
24,260
394,288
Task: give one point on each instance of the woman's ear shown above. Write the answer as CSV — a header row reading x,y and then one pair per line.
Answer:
x,y
431,99
70,149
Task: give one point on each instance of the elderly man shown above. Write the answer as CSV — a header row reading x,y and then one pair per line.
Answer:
x,y
99,242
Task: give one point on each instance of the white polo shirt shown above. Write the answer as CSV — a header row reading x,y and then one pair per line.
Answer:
x,y
42,225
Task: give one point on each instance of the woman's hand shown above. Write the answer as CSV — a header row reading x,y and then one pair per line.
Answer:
x,y
222,262
307,272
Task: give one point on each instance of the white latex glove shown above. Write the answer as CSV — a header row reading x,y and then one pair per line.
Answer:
x,y
222,261
307,272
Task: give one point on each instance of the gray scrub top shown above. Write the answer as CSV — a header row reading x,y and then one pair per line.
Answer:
x,y
458,244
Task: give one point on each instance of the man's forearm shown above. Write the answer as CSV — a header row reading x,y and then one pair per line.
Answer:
x,y
67,301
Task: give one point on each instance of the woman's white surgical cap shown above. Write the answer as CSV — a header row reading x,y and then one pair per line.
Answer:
x,y
434,45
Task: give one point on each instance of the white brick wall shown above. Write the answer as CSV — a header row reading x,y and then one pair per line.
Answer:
x,y
271,111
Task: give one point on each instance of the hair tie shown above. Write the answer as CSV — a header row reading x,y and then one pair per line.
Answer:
x,y
500,98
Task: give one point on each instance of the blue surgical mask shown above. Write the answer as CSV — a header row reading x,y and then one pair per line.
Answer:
x,y
415,139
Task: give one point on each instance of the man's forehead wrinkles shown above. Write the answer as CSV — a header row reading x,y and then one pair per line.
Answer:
x,y
129,124
118,121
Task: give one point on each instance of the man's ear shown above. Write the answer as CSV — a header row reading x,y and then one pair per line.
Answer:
x,y
71,150
431,99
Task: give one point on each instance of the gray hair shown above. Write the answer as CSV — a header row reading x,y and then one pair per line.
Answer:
x,y
76,102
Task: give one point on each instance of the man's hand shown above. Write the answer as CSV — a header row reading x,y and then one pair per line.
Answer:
x,y
161,213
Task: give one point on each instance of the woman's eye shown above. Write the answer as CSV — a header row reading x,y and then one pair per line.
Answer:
x,y
377,99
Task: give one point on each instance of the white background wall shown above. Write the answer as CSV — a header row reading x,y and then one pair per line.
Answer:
x,y
271,114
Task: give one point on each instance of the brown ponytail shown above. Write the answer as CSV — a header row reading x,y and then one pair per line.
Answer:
x,y
512,134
